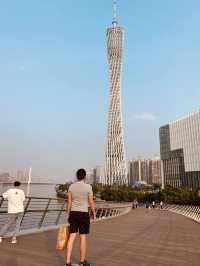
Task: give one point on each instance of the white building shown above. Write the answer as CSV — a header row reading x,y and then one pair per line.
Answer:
x,y
115,165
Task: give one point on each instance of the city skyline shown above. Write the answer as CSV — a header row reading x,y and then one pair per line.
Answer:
x,y
53,104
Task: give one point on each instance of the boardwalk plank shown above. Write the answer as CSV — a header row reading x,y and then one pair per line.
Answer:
x,y
153,238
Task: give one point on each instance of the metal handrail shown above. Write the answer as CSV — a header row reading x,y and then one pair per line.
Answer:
x,y
45,212
190,211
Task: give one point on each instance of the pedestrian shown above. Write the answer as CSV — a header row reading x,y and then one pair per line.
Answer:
x,y
16,198
153,204
80,197
148,206
135,204
161,204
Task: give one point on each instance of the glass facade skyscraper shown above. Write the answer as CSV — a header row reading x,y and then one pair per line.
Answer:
x,y
180,152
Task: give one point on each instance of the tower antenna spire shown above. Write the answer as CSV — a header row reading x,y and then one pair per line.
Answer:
x,y
114,20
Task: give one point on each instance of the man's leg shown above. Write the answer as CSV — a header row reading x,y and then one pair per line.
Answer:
x,y
11,220
82,247
18,224
70,245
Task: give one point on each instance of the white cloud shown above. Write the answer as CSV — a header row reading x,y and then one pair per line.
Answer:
x,y
145,116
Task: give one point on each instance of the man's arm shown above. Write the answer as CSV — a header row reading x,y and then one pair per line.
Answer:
x,y
92,204
69,203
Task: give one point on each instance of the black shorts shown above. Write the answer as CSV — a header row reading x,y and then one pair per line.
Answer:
x,y
79,222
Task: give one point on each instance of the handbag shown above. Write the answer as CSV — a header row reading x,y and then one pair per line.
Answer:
x,y
62,238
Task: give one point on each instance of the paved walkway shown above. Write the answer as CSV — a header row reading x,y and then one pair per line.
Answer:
x,y
137,239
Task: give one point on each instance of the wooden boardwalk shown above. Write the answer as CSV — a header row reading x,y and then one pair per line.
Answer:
x,y
141,238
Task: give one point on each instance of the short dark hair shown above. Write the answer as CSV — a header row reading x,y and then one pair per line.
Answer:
x,y
17,184
81,174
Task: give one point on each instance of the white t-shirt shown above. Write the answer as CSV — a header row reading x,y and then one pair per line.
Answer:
x,y
15,199
80,191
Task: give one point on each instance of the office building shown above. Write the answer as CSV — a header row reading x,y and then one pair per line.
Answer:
x,y
180,152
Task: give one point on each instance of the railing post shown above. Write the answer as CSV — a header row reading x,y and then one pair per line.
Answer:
x,y
100,216
106,212
44,214
97,212
25,210
59,214
1,202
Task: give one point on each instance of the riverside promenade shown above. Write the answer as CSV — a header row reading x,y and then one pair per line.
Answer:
x,y
139,238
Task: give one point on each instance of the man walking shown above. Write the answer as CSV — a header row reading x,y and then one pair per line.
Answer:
x,y
80,197
15,197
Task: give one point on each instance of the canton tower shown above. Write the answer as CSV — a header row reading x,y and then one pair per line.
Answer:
x,y
115,166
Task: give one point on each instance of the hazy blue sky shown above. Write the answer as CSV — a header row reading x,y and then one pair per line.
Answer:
x,y
54,79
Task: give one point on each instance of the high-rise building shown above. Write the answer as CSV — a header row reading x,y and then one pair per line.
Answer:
x,y
21,175
90,175
4,177
180,152
138,171
142,170
115,166
98,175
94,175
154,176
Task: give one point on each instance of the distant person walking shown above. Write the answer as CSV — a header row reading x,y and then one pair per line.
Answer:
x,y
80,197
135,204
15,197
147,205
161,205
153,204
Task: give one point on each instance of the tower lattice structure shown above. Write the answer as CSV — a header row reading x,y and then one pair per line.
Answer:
x,y
115,167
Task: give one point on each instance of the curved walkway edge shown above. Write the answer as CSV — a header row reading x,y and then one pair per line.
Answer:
x,y
140,238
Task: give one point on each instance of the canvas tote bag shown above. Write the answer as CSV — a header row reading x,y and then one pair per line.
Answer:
x,y
63,236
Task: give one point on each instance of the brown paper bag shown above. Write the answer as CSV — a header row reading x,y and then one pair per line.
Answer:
x,y
63,236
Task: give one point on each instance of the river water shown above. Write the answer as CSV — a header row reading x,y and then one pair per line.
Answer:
x,y
37,190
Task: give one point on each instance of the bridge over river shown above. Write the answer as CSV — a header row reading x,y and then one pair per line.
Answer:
x,y
139,238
